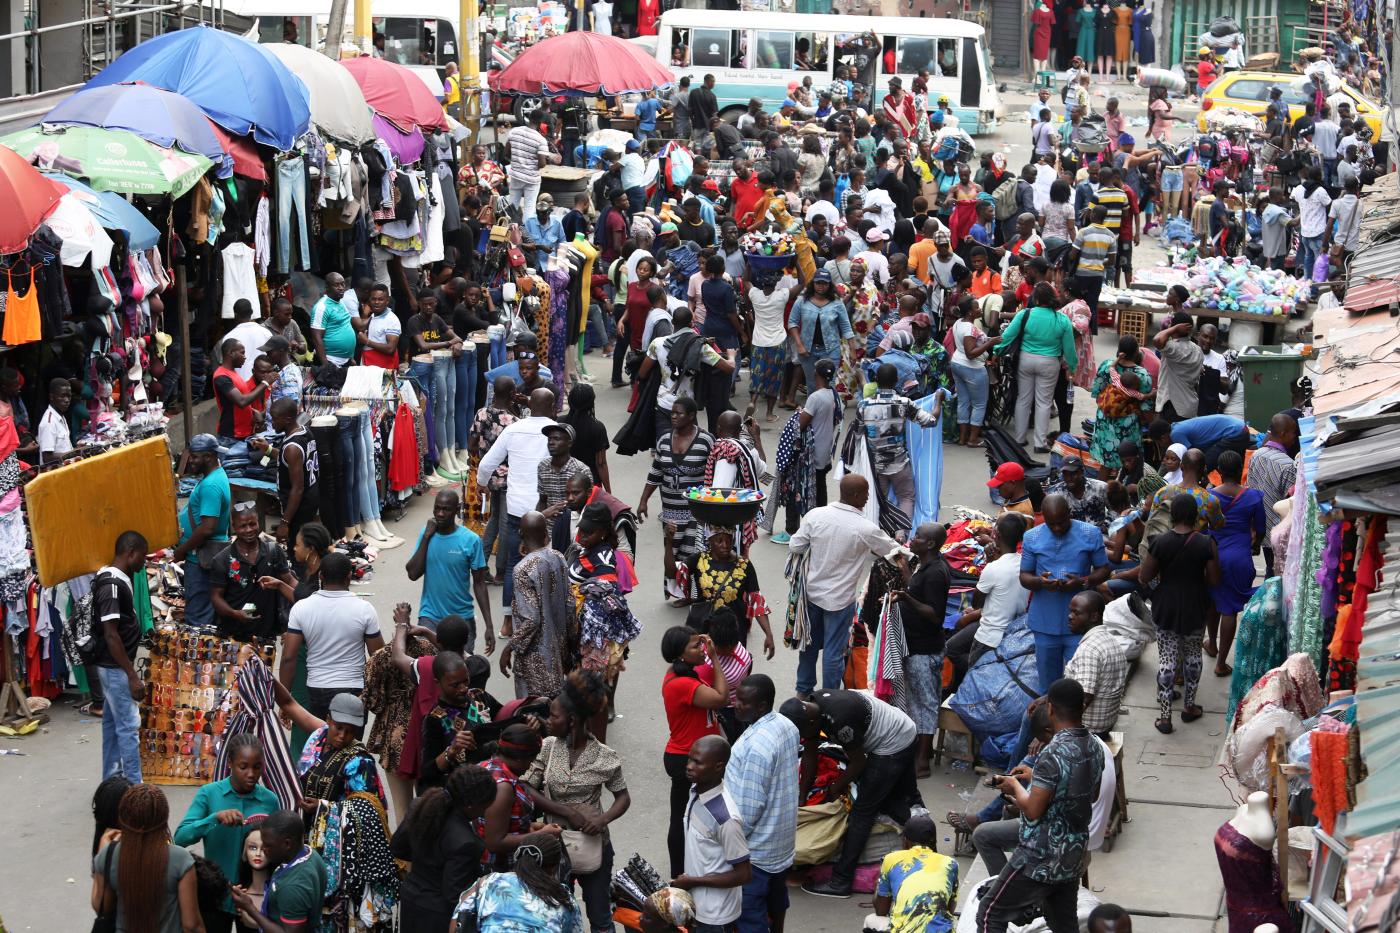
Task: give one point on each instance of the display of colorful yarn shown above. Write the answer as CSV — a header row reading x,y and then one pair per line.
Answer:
x,y
716,494
1221,284
769,243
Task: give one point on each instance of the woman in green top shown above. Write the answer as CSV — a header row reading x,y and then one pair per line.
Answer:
x,y
1046,345
220,810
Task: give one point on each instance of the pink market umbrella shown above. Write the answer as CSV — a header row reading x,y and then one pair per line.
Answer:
x,y
397,94
247,161
406,147
583,63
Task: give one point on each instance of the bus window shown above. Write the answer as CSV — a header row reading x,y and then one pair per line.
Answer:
x,y
447,50
811,52
406,41
861,54
946,65
773,50
915,54
711,48
294,29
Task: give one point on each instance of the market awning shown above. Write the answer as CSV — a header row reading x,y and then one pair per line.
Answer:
x,y
157,115
110,160
339,110
396,94
583,63
28,197
114,212
239,84
406,147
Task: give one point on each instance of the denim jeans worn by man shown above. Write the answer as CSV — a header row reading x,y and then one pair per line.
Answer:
x,y
115,638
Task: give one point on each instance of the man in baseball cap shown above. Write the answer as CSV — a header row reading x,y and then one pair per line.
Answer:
x,y
204,526
1010,483
554,475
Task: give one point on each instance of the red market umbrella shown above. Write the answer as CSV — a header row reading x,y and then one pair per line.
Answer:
x,y
583,63
246,159
28,197
396,94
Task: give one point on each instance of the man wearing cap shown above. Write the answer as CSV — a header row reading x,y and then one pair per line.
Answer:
x,y
918,888
451,562
204,524
899,109
338,628
633,177
874,256
1088,498
544,230
1010,483
554,473
943,268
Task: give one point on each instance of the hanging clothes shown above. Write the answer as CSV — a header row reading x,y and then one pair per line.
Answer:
x,y
258,714
926,455
240,278
22,321
404,462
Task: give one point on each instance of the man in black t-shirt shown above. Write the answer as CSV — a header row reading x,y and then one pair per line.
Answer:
x,y
922,606
115,624
242,608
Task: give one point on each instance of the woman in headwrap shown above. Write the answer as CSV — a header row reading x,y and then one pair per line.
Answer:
x,y
602,577
507,823
721,578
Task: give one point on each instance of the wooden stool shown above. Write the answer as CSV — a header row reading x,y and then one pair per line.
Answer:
x,y
951,722
1118,814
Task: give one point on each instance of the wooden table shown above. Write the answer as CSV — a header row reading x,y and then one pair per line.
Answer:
x,y
1239,337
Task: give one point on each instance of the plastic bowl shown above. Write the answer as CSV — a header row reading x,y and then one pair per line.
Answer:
x,y
761,263
724,514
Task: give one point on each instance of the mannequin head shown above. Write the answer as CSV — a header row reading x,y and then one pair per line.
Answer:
x,y
253,852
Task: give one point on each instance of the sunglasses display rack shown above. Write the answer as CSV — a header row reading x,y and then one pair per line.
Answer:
x,y
191,693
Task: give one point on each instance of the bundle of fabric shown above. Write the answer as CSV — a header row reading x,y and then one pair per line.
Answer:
x,y
1130,628
992,698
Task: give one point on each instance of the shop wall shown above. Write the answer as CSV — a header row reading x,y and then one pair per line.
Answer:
x,y
1182,21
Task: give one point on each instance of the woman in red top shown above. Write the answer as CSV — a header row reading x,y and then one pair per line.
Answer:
x,y
638,304
693,690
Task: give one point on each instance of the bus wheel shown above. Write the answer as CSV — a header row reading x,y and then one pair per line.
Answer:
x,y
528,110
732,114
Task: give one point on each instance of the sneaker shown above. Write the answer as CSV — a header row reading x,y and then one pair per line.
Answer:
x,y
829,888
781,537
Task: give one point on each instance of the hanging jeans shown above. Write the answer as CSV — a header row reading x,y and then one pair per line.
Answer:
x,y
345,441
366,484
464,407
291,205
121,722
445,394
422,375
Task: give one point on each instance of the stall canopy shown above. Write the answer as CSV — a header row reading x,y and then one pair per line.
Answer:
x,y
113,212
110,160
396,94
160,116
406,147
239,84
247,161
338,107
583,63
28,197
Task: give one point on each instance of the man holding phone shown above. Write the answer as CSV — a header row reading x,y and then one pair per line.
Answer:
x,y
1058,559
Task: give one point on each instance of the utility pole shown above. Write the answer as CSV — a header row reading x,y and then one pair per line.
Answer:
x,y
468,71
364,27
335,30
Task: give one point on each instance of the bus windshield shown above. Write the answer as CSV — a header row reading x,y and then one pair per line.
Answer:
x,y
412,41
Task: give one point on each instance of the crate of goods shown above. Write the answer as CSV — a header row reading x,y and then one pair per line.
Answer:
x,y
1135,323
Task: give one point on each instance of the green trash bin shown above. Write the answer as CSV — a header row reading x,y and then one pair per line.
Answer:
x,y
1266,373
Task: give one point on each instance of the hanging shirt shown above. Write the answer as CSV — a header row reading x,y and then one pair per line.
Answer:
x,y
240,279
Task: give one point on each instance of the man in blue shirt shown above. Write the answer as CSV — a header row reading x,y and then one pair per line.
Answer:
x,y
544,231
1212,435
983,230
204,525
647,110
448,556
1058,559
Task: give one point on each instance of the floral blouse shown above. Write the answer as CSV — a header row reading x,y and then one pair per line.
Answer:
x,y
486,427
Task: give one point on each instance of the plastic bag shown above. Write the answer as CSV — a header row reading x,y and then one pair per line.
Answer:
x,y
1131,631
1247,748
993,697
1224,26
1174,82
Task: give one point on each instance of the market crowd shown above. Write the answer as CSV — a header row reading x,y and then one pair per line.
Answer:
x,y
855,278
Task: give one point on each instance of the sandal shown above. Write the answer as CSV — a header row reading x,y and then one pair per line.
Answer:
x,y
1192,713
91,708
1164,726
959,822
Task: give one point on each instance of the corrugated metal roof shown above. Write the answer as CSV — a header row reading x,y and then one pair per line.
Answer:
x,y
1359,358
1375,262
1372,295
1362,455
1378,702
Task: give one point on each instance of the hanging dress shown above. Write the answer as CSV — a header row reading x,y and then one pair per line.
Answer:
x,y
1103,33
22,323
1123,32
1143,39
1042,22
1084,46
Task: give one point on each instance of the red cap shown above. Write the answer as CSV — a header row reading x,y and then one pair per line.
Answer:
x,y
1007,472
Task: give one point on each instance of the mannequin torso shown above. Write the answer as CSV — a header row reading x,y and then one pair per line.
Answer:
x,y
1254,821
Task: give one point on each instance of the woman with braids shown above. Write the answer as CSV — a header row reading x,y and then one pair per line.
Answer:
x,y
106,800
528,899
439,839
312,544
219,813
141,879
508,819
569,775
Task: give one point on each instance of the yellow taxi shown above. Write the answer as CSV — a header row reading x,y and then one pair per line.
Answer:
x,y
1249,91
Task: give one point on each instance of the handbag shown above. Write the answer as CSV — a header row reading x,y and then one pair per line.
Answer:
x,y
585,851
106,923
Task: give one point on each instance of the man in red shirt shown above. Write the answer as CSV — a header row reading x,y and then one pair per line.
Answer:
x,y
234,395
744,190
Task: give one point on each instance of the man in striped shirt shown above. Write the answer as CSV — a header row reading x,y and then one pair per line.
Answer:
x,y
1094,251
1273,471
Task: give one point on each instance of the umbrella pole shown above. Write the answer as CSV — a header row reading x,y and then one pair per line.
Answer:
x,y
182,306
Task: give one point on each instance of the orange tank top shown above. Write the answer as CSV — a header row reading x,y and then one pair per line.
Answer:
x,y
22,323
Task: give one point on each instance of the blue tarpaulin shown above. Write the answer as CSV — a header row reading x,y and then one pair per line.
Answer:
x,y
239,84
992,698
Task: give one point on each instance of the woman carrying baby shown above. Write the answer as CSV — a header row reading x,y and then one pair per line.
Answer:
x,y
1123,390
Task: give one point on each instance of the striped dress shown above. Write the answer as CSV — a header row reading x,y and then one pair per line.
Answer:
x,y
673,475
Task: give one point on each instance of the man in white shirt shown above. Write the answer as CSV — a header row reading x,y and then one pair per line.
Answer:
x,y
1313,200
249,333
523,446
52,434
529,151
999,598
633,177
840,544
339,629
1325,133
825,204
1346,211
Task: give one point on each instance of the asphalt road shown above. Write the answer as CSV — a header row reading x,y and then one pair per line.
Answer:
x,y
46,793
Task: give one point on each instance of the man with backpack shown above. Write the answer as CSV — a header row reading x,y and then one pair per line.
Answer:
x,y
687,362
113,635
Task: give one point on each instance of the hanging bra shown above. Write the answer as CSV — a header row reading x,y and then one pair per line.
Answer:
x,y
22,324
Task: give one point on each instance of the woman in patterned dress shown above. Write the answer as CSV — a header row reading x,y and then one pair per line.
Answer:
x,y
862,300
1119,416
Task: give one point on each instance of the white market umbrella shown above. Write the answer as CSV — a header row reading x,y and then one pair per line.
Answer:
x,y
338,107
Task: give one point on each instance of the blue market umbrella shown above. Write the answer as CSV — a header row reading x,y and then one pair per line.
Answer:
x,y
163,117
239,84
113,212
